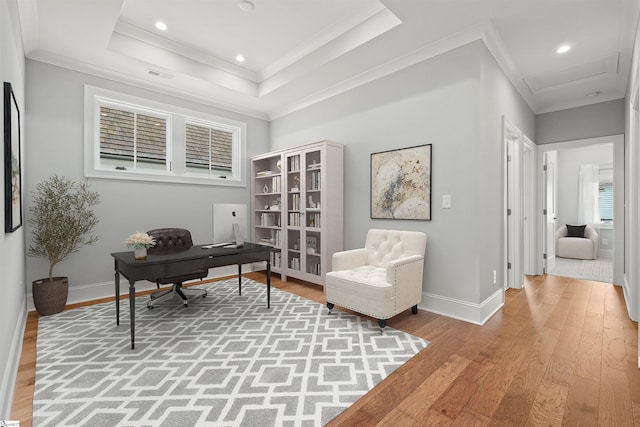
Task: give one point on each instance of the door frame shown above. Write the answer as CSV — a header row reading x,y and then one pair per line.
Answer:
x,y
514,189
618,196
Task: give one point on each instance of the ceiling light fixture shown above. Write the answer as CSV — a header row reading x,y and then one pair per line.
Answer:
x,y
596,93
239,58
245,6
563,49
161,26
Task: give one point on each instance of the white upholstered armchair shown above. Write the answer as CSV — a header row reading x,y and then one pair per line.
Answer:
x,y
578,242
382,279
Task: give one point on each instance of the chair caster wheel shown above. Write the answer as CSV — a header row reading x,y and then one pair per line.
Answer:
x,y
330,306
149,307
186,305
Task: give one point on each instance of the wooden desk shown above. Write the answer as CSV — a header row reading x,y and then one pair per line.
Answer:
x,y
175,263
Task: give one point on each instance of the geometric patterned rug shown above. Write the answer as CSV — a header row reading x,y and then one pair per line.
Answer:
x,y
225,360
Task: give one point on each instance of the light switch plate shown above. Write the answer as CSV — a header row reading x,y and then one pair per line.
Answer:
x,y
446,201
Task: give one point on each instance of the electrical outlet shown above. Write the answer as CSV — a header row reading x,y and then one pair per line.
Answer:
x,y
605,242
495,277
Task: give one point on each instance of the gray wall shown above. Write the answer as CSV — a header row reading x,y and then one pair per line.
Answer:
x,y
590,121
448,101
499,100
569,161
12,258
55,100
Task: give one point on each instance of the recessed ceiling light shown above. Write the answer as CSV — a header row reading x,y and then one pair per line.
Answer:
x,y
563,49
161,26
596,93
240,58
245,6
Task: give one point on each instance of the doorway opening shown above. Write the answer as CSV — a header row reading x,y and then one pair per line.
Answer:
x,y
582,186
583,181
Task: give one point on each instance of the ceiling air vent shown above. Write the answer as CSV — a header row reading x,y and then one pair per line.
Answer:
x,y
156,73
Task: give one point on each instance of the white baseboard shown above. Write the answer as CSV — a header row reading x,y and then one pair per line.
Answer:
x,y
96,291
605,253
11,369
463,310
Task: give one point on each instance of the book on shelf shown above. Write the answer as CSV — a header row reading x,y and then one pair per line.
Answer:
x,y
294,164
314,269
275,259
295,202
294,219
315,180
272,240
275,184
268,219
314,219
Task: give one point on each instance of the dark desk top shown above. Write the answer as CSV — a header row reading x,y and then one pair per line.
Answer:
x,y
194,252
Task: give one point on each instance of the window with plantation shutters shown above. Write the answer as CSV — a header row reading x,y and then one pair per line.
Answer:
x,y
605,193
131,138
209,149
605,202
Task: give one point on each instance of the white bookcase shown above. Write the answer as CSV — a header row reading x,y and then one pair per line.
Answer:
x,y
297,207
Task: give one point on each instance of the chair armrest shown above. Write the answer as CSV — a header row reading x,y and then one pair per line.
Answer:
x,y
405,275
347,260
592,234
402,265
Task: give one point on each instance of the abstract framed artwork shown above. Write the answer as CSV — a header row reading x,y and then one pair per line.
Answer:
x,y
401,183
12,162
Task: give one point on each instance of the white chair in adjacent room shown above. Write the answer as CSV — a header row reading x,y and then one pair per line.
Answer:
x,y
578,242
382,279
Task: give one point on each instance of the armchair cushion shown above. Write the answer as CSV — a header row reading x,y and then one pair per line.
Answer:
x,y
575,230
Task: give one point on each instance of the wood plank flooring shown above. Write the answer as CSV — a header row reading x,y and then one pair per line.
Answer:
x,y
561,352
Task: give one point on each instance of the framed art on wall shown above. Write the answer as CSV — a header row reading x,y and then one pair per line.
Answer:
x,y
12,163
401,183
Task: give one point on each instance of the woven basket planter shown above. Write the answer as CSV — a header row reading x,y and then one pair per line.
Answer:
x,y
50,298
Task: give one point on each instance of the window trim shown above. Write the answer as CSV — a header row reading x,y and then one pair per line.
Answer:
x,y
178,117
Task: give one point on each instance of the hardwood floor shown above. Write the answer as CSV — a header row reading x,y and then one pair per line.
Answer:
x,y
560,352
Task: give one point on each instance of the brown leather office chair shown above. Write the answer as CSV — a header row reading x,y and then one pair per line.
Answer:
x,y
172,240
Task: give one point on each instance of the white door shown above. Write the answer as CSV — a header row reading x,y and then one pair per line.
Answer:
x,y
528,202
549,210
511,223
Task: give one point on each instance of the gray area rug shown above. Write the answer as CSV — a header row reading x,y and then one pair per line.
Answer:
x,y
226,360
600,269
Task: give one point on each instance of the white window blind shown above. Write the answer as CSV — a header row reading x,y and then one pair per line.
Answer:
x,y
605,202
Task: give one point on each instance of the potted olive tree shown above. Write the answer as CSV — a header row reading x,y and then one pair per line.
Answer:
x,y
62,221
